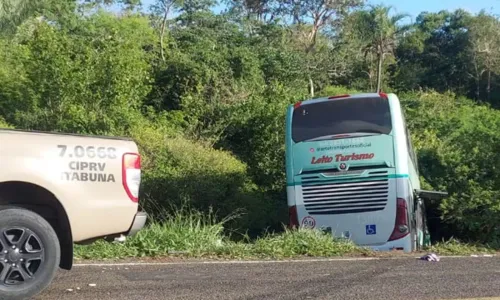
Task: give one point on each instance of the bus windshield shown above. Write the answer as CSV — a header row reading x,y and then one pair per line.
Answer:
x,y
323,120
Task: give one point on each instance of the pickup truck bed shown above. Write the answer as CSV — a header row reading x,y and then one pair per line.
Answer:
x,y
84,187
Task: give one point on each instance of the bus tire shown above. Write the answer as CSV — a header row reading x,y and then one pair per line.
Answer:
x,y
29,255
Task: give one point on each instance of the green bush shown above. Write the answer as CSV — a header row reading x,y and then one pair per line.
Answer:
x,y
457,143
4,124
334,90
90,79
178,171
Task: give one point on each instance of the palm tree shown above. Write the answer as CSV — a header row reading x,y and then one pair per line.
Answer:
x,y
381,33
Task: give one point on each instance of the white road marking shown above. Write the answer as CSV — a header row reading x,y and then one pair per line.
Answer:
x,y
110,264
488,298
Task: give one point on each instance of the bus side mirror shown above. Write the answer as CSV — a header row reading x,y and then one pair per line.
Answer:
x,y
430,195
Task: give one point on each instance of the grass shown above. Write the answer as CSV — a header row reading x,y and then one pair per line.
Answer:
x,y
191,234
162,241
455,247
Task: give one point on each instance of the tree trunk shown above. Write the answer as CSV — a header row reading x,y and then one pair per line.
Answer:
x,y
478,87
488,87
379,71
162,32
478,79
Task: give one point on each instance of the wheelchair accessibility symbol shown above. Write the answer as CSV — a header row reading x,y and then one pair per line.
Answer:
x,y
371,229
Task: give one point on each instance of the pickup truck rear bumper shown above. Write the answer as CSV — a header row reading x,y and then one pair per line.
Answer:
x,y
139,222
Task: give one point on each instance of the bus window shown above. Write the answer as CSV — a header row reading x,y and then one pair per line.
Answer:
x,y
315,120
409,145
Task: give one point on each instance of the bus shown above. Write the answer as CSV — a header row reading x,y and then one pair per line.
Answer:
x,y
351,171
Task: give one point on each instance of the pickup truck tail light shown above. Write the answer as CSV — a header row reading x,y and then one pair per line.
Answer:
x,y
131,175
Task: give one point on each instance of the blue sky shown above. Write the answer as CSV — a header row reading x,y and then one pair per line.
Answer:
x,y
413,7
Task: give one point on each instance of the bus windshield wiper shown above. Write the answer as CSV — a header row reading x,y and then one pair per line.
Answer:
x,y
341,136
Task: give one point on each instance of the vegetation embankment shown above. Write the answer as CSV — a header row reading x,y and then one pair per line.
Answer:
x,y
204,95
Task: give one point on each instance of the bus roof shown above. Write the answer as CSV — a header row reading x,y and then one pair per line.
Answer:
x,y
358,95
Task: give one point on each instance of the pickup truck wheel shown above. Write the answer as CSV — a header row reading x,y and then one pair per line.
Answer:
x,y
29,253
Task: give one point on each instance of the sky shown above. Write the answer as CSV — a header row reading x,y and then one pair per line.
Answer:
x,y
413,7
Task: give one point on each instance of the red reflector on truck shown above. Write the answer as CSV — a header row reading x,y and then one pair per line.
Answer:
x,y
131,175
401,228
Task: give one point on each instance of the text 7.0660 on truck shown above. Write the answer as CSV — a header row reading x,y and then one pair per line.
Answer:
x,y
57,190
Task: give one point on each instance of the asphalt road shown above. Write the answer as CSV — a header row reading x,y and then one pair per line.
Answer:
x,y
406,278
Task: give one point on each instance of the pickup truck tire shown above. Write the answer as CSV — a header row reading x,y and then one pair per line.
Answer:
x,y
29,255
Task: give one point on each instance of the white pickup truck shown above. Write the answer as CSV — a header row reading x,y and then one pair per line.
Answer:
x,y
57,190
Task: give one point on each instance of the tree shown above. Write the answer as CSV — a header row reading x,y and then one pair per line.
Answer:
x,y
15,12
129,4
484,35
322,13
265,11
439,43
164,8
381,33
92,79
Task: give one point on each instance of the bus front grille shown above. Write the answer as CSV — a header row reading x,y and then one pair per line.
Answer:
x,y
344,197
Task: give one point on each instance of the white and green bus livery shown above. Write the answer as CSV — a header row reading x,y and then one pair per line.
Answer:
x,y
351,170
